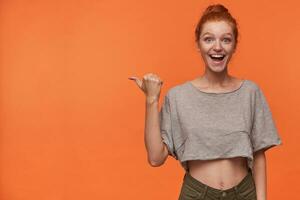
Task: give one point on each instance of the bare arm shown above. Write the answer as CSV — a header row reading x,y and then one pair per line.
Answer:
x,y
260,178
156,149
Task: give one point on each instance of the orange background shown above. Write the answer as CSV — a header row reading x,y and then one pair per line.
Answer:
x,y
72,124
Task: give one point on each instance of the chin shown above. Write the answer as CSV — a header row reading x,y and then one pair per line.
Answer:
x,y
216,69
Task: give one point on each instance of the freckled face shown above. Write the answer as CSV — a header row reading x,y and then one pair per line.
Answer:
x,y
216,44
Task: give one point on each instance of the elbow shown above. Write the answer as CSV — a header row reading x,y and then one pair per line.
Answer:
x,y
158,159
155,162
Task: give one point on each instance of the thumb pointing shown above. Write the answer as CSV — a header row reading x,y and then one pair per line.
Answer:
x,y
137,81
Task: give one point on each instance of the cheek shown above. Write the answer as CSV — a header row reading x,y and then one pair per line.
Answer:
x,y
229,47
204,47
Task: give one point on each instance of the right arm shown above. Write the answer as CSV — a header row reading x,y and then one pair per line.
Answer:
x,y
156,150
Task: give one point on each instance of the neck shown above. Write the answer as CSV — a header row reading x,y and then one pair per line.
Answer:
x,y
216,79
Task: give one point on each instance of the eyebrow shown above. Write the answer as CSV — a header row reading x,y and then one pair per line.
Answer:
x,y
212,34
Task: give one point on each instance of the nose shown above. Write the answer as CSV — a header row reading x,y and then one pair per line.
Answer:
x,y
217,46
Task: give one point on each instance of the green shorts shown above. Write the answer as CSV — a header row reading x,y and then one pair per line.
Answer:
x,y
193,189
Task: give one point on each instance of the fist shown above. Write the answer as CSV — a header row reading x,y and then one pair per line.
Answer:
x,y
150,84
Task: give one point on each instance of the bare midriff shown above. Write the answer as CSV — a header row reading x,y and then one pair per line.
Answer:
x,y
221,174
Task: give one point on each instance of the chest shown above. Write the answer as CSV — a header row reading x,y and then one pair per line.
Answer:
x,y
213,117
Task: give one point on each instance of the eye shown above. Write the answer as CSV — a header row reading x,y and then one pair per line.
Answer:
x,y
227,40
208,39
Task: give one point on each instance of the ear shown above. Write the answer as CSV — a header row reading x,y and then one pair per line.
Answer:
x,y
196,46
234,49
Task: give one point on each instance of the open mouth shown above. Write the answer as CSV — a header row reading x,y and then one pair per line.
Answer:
x,y
216,57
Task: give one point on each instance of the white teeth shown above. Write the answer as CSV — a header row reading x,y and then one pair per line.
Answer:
x,y
217,56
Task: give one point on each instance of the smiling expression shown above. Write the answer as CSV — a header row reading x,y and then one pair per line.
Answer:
x,y
217,44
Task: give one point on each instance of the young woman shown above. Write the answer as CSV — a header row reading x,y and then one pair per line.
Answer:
x,y
218,126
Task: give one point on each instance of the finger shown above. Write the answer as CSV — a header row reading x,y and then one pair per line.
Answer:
x,y
132,78
139,83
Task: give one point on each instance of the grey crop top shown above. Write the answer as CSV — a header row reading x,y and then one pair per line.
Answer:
x,y
197,125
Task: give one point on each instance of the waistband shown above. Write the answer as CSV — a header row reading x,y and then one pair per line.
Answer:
x,y
188,179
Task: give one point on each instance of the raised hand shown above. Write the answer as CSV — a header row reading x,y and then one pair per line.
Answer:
x,y
150,85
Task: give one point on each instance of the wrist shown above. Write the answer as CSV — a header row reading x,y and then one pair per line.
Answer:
x,y
151,100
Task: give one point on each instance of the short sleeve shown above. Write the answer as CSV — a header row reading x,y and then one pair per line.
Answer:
x,y
166,126
264,134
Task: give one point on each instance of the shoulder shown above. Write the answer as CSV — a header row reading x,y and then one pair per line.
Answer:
x,y
176,90
257,93
253,86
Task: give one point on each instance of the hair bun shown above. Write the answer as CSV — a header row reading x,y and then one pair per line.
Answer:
x,y
216,8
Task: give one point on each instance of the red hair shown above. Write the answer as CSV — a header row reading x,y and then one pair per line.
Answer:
x,y
216,12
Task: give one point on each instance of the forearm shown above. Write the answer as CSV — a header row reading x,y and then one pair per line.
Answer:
x,y
153,140
259,174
